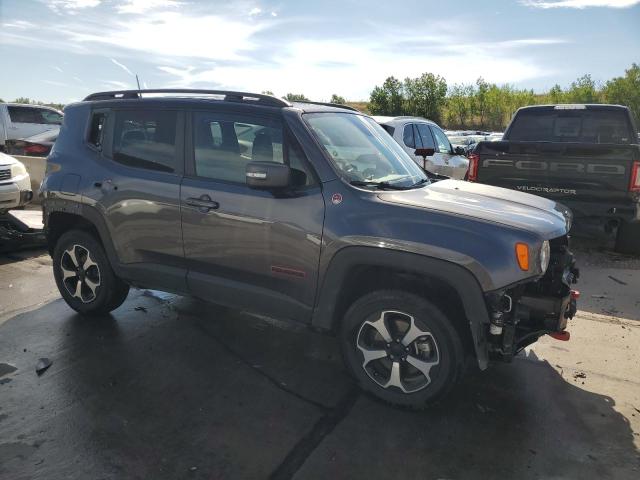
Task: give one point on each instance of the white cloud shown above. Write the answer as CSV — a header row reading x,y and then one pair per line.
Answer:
x,y
352,68
19,24
274,14
124,67
116,84
70,6
172,34
55,67
255,11
143,6
580,4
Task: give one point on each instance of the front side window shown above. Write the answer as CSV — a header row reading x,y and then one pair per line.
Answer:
x,y
145,139
444,146
362,151
224,147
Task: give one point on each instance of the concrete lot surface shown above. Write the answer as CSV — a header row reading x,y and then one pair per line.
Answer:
x,y
169,387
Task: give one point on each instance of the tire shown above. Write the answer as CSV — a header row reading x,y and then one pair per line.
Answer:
x,y
628,238
101,291
438,346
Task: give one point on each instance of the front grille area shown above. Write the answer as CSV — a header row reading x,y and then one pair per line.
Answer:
x,y
5,174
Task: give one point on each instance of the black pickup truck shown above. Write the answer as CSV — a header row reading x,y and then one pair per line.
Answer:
x,y
586,157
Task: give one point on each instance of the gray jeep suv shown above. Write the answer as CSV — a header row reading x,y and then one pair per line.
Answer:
x,y
305,211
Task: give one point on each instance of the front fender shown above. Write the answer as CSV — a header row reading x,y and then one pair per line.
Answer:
x,y
457,277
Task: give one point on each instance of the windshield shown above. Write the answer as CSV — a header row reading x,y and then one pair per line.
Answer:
x,y
363,152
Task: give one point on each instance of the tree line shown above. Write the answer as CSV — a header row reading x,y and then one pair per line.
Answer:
x,y
478,106
487,106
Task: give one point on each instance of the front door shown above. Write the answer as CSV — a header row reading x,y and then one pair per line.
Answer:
x,y
249,248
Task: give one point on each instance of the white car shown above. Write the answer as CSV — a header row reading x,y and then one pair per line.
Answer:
x,y
416,133
15,184
19,120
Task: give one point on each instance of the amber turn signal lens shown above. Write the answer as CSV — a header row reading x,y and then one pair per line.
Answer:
x,y
522,254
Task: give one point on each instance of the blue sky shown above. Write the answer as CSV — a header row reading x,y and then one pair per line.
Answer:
x,y
61,50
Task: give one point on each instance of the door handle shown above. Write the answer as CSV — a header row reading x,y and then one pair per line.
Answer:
x,y
203,203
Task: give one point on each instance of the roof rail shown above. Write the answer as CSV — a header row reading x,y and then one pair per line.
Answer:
x,y
326,104
229,96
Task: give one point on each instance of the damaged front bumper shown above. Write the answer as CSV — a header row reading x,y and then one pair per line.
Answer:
x,y
523,313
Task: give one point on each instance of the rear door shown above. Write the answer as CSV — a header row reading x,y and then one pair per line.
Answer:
x,y
134,164
249,248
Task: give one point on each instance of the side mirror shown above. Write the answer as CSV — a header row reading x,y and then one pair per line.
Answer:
x,y
424,152
459,150
268,175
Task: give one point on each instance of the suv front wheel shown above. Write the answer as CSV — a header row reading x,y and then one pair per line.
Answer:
x,y
401,348
84,275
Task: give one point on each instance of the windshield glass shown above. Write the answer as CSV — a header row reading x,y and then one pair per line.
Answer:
x,y
362,151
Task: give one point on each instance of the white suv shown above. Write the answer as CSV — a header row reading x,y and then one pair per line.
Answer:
x,y
416,133
15,184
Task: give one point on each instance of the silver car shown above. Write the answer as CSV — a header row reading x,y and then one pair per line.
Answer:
x,y
414,133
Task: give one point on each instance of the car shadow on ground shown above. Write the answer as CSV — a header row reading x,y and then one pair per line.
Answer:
x,y
7,258
170,387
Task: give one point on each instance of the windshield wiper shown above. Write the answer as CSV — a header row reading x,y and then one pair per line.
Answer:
x,y
380,185
422,181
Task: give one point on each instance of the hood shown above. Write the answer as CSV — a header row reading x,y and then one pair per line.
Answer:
x,y
7,160
492,204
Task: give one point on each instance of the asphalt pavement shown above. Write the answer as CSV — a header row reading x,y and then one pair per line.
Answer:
x,y
169,388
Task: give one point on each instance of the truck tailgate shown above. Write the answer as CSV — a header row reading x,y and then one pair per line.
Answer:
x,y
562,171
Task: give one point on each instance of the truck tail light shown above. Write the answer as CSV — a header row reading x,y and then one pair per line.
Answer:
x,y
634,184
35,148
472,173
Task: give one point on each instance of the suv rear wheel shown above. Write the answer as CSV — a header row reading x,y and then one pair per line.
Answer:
x,y
84,275
401,348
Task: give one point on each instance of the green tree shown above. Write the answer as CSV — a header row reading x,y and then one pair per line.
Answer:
x,y
425,96
22,100
337,99
557,95
625,90
267,92
583,90
480,100
387,99
294,97
459,105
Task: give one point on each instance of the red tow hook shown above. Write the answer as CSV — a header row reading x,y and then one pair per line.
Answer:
x,y
575,294
562,336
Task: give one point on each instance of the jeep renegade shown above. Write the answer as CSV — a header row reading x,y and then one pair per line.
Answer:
x,y
305,211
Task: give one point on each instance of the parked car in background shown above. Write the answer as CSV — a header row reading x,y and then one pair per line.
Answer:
x,y
19,121
413,133
585,156
36,146
307,212
15,184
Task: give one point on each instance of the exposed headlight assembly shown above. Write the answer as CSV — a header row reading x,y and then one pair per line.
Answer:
x,y
18,170
545,256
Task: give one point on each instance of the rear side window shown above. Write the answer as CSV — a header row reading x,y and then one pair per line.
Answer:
x,y
407,136
40,116
145,139
582,126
